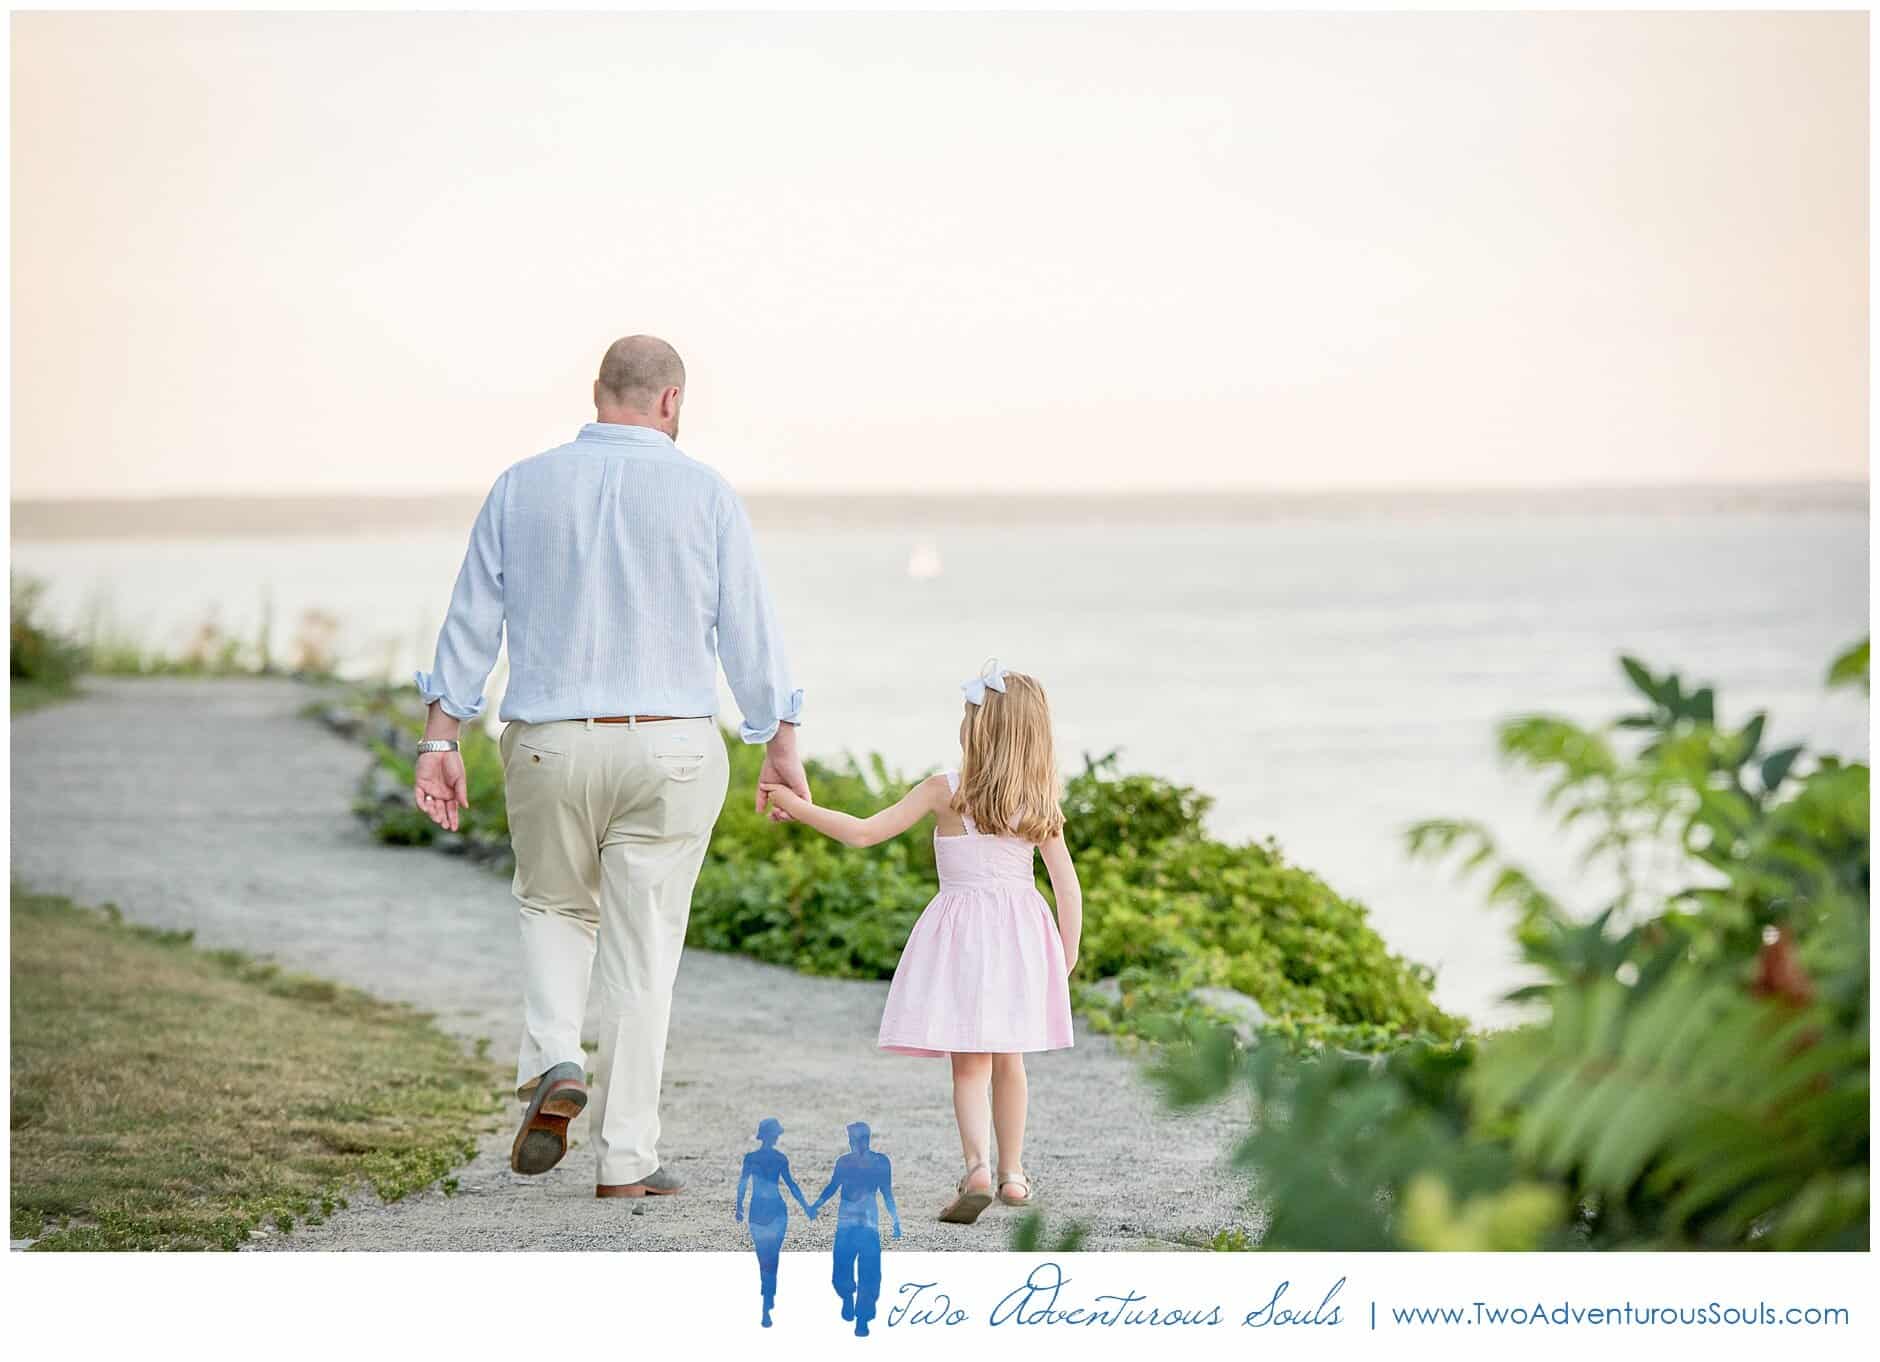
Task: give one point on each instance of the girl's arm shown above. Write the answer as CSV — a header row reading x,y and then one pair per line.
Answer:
x,y
849,830
744,1176
1069,895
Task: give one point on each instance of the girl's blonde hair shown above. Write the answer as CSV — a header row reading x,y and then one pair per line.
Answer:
x,y
1008,768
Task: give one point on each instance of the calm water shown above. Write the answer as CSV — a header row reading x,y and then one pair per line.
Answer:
x,y
1327,677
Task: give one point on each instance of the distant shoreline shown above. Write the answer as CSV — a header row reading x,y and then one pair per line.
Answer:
x,y
350,516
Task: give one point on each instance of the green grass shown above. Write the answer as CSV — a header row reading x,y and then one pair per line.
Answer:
x,y
170,1098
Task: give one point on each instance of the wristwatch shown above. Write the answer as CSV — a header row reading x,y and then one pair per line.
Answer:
x,y
437,745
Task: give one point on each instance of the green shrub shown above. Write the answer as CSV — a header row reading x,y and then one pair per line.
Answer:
x,y
1171,917
391,721
39,655
1166,910
792,897
1696,1074
1108,811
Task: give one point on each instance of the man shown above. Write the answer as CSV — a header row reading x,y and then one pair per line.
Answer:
x,y
623,572
860,1174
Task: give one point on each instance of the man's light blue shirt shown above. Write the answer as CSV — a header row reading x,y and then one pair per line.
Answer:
x,y
624,572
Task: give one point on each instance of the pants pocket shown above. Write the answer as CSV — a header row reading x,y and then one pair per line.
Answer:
x,y
536,766
693,771
532,745
682,756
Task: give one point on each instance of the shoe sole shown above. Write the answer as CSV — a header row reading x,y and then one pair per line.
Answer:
x,y
636,1189
543,1139
965,1208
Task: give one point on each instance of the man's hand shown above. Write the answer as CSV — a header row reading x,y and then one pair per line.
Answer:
x,y
440,787
782,767
776,798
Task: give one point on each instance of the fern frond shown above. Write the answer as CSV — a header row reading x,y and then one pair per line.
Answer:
x,y
1720,1105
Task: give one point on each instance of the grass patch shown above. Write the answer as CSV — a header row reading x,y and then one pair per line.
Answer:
x,y
171,1098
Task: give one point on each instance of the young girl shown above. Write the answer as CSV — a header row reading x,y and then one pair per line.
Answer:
x,y
984,977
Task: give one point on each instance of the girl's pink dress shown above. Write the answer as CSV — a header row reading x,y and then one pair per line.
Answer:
x,y
983,969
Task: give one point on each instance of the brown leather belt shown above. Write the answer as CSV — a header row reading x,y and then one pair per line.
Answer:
x,y
645,718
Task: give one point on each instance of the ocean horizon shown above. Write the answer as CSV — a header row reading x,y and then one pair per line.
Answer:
x,y
313,513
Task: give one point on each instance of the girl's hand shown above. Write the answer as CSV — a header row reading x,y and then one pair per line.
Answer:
x,y
783,798
1070,956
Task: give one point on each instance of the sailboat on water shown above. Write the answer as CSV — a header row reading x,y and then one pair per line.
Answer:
x,y
923,564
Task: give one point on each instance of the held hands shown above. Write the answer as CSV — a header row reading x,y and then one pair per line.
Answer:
x,y
782,767
440,789
784,804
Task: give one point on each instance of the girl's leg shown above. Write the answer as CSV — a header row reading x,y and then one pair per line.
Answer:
x,y
971,1073
1009,1099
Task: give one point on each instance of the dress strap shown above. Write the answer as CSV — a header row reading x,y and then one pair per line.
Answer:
x,y
953,787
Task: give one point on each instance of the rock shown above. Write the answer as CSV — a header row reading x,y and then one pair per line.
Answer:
x,y
1246,1013
1110,989
382,787
342,721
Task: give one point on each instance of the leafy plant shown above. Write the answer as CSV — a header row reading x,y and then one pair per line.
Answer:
x,y
1167,910
38,654
1031,1234
1105,810
1189,913
1696,1074
390,724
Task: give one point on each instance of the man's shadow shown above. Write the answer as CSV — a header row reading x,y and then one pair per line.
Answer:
x,y
860,1175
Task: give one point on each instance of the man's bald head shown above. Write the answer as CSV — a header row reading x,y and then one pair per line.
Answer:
x,y
641,383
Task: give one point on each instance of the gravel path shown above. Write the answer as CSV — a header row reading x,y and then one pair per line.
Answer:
x,y
211,805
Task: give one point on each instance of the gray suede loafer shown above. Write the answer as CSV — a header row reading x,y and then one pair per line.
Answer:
x,y
656,1183
560,1096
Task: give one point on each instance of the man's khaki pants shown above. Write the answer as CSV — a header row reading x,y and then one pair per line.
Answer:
x,y
610,823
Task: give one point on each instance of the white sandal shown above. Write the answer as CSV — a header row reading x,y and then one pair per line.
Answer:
x,y
965,1207
1017,1175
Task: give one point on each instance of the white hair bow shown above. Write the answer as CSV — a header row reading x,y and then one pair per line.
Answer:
x,y
991,677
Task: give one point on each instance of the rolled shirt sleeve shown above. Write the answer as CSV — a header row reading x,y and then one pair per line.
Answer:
x,y
473,628
749,645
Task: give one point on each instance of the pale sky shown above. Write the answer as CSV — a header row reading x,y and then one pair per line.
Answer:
x,y
332,253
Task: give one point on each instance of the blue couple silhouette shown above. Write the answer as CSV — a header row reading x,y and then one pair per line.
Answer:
x,y
860,1176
